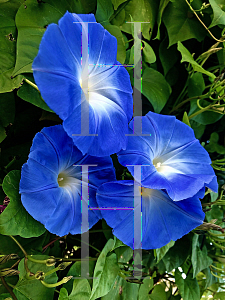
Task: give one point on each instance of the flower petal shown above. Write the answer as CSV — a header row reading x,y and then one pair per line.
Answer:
x,y
54,182
170,156
41,204
63,95
213,185
166,220
41,179
162,218
171,133
59,75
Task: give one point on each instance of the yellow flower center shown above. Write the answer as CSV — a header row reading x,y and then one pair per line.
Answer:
x,y
145,192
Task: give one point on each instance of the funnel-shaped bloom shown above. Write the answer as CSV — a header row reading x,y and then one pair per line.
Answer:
x,y
162,218
170,155
52,180
80,79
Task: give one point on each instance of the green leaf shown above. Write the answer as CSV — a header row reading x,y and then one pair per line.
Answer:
x,y
213,145
116,3
5,296
196,85
75,271
31,95
15,220
121,49
8,46
105,273
214,213
148,53
31,21
176,255
185,119
118,243
162,6
218,12
144,11
145,288
188,287
187,57
168,56
31,245
2,133
199,258
63,294
155,88
161,252
104,11
219,296
198,129
122,290
124,254
214,196
7,112
7,109
158,292
185,27
81,290
27,289
210,279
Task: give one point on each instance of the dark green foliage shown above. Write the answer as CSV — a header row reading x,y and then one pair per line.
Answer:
x,y
183,75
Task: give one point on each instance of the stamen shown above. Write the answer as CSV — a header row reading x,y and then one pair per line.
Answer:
x,y
158,165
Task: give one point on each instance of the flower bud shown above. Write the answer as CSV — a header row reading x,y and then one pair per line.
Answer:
x,y
39,275
66,279
51,261
8,272
63,265
5,258
52,285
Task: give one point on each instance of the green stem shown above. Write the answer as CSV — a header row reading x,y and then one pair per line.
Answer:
x,y
32,84
24,252
185,101
52,285
182,92
76,259
11,162
8,289
129,41
202,22
219,269
99,230
200,111
88,245
36,260
216,244
217,276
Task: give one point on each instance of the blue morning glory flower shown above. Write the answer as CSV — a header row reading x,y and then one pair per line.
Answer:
x,y
78,76
162,218
51,181
172,157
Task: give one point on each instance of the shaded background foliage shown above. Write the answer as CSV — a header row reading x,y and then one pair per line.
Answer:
x,y
183,65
